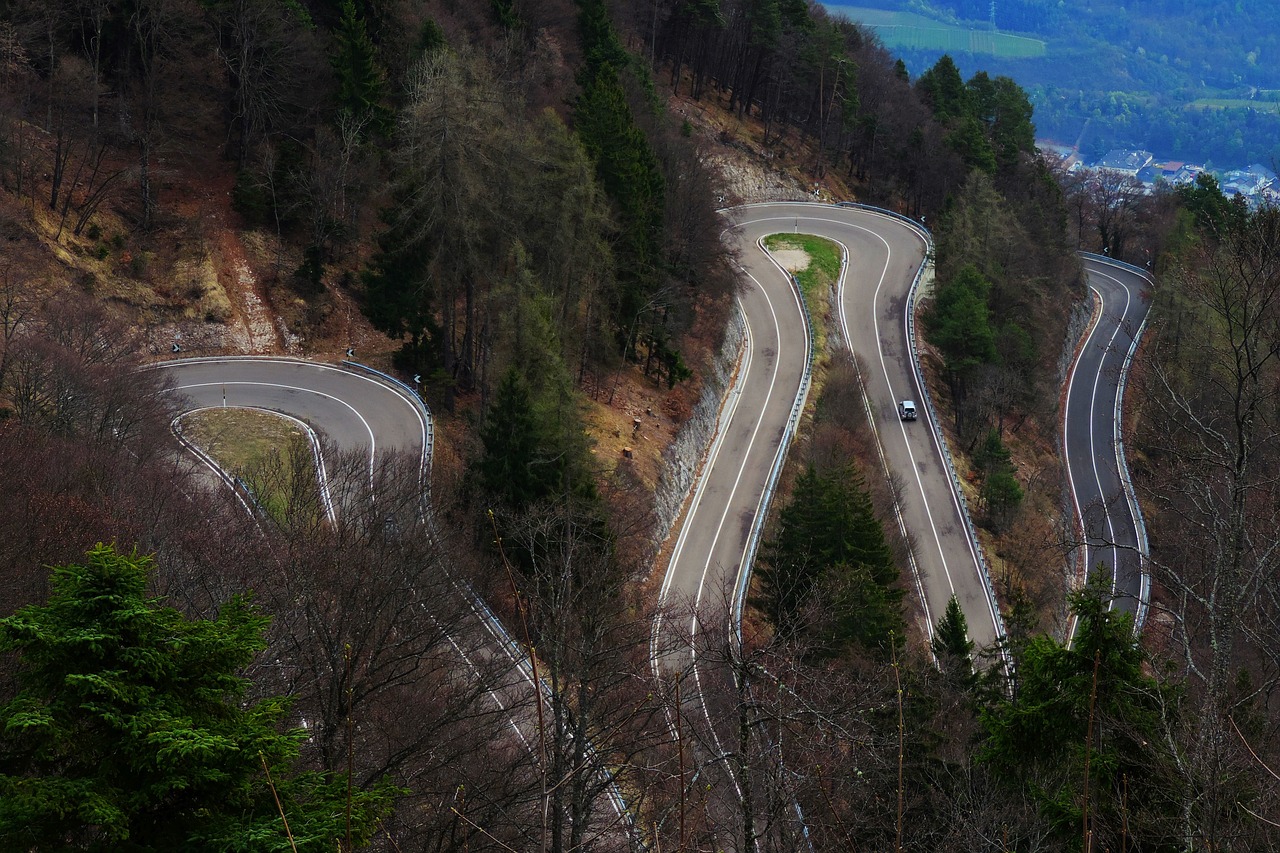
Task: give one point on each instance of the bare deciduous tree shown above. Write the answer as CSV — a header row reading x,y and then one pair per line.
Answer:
x,y
1215,439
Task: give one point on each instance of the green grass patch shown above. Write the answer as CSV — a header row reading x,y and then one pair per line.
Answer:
x,y
270,453
909,31
816,279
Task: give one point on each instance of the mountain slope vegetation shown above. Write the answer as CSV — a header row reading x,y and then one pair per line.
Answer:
x,y
513,201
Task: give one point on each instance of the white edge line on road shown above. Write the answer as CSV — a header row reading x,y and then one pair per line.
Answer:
x,y
373,441
1093,452
1135,511
178,364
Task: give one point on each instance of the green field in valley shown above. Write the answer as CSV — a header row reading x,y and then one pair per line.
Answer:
x,y
1235,103
909,31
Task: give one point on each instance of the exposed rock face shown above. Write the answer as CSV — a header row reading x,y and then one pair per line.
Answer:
x,y
684,456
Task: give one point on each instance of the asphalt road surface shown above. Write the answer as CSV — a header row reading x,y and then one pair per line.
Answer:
x,y
884,254
354,410
1091,425
357,411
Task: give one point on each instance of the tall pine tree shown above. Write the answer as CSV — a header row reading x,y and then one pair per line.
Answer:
x,y
830,544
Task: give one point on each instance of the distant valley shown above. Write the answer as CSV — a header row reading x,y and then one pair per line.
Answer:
x,y
1195,81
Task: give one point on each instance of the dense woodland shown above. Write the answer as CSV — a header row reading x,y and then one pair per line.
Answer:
x,y
501,188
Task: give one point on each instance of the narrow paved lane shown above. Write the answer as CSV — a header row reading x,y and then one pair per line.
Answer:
x,y
1108,515
354,410
884,254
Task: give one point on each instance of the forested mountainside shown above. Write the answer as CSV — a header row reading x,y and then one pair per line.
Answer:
x,y
1194,81
513,201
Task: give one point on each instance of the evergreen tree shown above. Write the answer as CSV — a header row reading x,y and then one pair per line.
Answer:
x,y
959,322
1001,494
131,730
830,542
1213,211
361,81
1091,701
944,91
968,138
506,14
514,467
630,176
951,644
1012,132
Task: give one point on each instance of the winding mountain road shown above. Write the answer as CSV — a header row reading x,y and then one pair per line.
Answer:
x,y
710,560
355,410
1108,513
883,254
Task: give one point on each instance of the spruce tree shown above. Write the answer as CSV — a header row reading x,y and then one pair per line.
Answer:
x,y
131,729
1091,701
361,82
830,543
951,644
513,467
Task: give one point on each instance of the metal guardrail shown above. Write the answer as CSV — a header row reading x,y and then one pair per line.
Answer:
x,y
1107,259
753,542
771,484
770,489
429,439
971,531
1130,492
514,650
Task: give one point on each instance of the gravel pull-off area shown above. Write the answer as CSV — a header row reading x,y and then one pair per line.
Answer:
x,y
792,260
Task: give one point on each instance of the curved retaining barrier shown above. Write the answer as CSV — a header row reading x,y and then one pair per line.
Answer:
x,y
429,440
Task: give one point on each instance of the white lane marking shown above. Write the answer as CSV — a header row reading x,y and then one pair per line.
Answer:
x,y
902,428
1093,454
205,361
1075,498
844,323
875,431
1111,536
755,432
519,664
743,568
719,528
726,418
955,498
322,474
